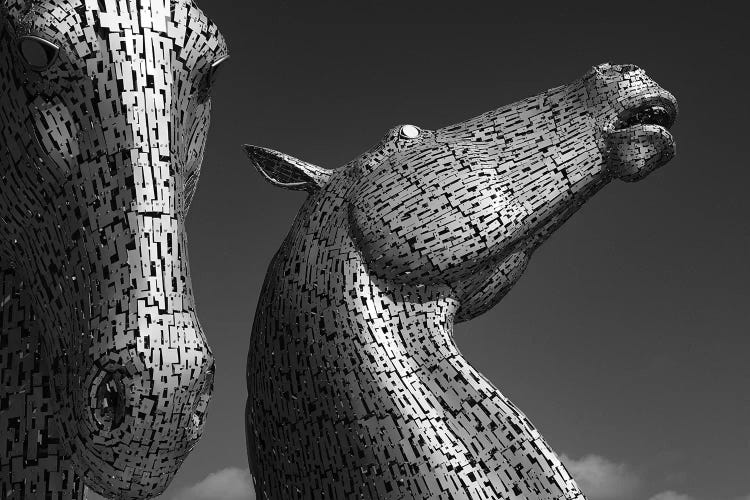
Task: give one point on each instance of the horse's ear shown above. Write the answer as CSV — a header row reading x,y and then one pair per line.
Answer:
x,y
287,171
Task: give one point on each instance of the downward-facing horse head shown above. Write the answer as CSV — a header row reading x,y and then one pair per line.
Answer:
x,y
106,373
355,386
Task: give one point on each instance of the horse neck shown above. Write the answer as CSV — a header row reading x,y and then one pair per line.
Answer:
x,y
319,256
361,356
33,464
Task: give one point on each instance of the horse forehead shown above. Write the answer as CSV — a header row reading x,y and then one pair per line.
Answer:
x,y
157,16
160,20
128,13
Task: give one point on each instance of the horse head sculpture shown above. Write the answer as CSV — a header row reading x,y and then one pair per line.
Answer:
x,y
106,371
356,388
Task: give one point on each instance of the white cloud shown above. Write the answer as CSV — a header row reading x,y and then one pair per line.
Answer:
x,y
598,477
227,484
671,495
602,479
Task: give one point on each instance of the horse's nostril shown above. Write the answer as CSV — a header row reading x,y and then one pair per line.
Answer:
x,y
197,420
109,402
198,417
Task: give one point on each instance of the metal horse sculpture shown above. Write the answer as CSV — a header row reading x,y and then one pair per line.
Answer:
x,y
106,373
355,386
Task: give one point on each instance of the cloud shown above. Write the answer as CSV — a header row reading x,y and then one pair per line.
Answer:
x,y
227,484
598,477
671,495
602,479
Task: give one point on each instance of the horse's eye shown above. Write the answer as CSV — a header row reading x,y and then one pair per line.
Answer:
x,y
409,131
38,53
210,79
110,405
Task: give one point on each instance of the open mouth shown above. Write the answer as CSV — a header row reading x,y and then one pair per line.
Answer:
x,y
657,111
639,141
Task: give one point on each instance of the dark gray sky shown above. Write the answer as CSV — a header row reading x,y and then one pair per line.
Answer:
x,y
627,337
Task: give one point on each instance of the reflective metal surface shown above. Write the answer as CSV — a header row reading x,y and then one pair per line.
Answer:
x,y
106,373
356,387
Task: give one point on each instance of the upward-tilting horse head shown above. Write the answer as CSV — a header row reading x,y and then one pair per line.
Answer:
x,y
450,205
104,114
356,387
